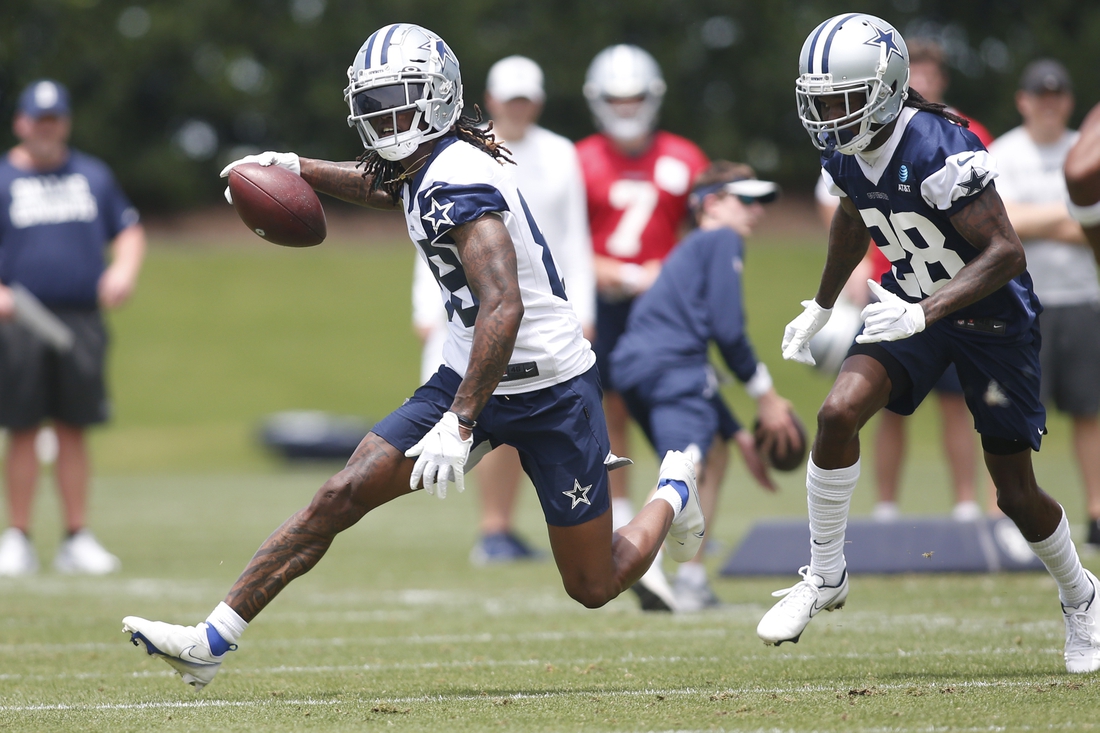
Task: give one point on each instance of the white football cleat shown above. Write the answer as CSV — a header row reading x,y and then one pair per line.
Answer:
x,y
1083,632
692,597
186,648
653,589
686,533
82,554
787,619
17,555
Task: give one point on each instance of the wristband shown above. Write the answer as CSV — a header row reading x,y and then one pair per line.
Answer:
x,y
466,422
760,382
1086,216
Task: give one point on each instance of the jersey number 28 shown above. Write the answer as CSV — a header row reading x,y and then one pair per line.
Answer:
x,y
908,232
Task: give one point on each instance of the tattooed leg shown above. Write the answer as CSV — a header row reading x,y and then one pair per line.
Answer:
x,y
376,473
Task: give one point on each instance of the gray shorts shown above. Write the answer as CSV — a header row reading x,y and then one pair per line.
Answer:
x,y
38,383
1070,358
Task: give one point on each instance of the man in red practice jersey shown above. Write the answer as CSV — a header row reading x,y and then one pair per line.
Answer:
x,y
637,180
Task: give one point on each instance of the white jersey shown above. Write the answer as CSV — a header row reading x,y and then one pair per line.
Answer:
x,y
1064,273
548,173
460,184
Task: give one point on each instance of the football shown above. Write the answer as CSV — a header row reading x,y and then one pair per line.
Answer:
x,y
277,205
790,460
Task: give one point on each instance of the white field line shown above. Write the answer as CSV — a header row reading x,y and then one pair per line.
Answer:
x,y
562,695
564,664
683,628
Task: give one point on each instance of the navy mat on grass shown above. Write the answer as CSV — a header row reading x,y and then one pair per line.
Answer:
x,y
907,545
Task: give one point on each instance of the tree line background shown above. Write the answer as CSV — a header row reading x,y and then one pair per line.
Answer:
x,y
168,92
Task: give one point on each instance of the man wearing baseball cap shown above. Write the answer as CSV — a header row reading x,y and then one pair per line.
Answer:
x,y
1033,188
549,177
672,391
60,210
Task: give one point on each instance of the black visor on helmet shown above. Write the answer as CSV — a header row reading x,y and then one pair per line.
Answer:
x,y
380,99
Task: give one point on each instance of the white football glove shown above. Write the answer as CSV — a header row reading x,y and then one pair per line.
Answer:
x,y
890,319
289,161
440,457
797,334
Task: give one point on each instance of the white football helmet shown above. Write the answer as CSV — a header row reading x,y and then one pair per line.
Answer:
x,y
403,67
624,72
849,54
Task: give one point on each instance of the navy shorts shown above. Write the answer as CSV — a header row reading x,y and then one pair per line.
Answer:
x,y
1000,380
610,325
680,407
949,383
559,431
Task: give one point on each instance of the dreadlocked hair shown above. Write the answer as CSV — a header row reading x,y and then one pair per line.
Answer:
x,y
916,101
388,176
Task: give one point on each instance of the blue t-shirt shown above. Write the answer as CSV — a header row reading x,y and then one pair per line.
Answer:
x,y
929,170
696,299
55,226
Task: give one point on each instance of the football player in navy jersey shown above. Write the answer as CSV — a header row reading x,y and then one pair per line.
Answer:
x,y
517,369
920,185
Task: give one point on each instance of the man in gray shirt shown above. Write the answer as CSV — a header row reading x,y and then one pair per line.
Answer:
x,y
1030,160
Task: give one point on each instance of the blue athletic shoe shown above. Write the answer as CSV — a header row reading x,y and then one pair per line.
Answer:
x,y
502,547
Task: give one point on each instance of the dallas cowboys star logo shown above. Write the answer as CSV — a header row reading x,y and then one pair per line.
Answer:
x,y
973,184
440,214
579,494
887,38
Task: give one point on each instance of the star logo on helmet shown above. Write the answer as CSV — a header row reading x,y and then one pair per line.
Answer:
x,y
579,494
443,51
439,215
885,38
973,184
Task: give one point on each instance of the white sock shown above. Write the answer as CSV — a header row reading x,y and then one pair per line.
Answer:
x,y
1060,556
692,573
622,511
227,623
672,496
828,494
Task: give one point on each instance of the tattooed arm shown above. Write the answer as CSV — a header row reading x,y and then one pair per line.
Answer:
x,y
848,240
489,259
985,225
344,181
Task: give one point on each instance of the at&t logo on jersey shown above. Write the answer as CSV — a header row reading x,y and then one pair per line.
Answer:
x,y
903,179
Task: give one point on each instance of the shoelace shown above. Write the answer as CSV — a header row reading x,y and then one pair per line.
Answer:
x,y
801,591
1079,629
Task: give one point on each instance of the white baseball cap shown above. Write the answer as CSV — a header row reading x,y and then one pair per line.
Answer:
x,y
513,77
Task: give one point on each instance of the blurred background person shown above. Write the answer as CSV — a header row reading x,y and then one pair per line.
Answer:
x,y
59,210
637,179
1033,187
1082,171
928,74
672,391
549,176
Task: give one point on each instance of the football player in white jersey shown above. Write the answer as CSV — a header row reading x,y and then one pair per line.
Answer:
x,y
548,173
517,369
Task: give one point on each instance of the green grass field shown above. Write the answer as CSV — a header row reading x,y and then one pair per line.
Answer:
x,y
394,629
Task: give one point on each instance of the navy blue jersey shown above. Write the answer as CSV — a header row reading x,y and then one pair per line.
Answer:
x,y
929,170
696,299
55,226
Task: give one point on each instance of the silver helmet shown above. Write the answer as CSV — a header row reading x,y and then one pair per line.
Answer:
x,y
624,72
848,55
401,68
